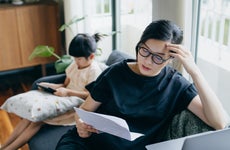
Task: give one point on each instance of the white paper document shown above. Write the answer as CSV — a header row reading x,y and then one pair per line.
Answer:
x,y
106,123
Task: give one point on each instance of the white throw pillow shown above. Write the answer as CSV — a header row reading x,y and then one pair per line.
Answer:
x,y
37,105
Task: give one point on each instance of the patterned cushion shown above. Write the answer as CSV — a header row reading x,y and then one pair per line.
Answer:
x,y
37,105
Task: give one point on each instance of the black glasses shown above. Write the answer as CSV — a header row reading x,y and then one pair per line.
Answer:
x,y
157,59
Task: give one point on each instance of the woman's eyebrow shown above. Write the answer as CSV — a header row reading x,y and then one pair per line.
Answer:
x,y
152,50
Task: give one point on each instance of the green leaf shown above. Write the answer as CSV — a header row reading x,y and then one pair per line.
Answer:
x,y
99,51
72,21
42,51
61,64
110,34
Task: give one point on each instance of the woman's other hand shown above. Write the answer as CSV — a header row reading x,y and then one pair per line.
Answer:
x,y
84,130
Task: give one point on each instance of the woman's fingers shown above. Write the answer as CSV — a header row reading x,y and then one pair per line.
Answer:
x,y
176,50
184,55
83,133
180,52
85,130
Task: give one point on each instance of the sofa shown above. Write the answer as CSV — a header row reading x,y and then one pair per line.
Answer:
x,y
47,137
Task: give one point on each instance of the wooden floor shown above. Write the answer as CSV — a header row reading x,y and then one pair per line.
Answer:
x,y
12,84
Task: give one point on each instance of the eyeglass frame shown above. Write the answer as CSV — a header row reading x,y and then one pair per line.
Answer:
x,y
154,55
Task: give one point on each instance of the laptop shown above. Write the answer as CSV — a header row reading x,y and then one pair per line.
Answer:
x,y
218,140
212,140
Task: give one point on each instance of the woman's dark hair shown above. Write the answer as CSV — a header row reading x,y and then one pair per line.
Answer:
x,y
83,45
164,30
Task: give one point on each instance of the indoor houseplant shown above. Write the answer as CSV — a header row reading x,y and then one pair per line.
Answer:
x,y
64,60
48,51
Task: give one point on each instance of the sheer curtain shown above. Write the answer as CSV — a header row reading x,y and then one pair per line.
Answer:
x,y
131,17
71,11
95,21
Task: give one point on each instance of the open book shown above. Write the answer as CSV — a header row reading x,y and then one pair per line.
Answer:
x,y
106,123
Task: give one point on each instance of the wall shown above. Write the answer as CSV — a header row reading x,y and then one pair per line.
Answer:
x,y
169,9
215,75
173,10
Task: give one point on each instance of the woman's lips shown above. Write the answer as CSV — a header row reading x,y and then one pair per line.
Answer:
x,y
145,68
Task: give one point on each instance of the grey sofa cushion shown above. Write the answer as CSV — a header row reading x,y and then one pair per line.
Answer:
x,y
117,56
59,78
47,137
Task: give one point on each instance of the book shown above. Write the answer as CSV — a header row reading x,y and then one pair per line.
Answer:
x,y
107,123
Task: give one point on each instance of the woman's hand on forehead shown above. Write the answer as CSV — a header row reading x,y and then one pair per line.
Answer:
x,y
184,55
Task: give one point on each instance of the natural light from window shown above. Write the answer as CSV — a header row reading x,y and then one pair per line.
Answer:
x,y
213,55
135,16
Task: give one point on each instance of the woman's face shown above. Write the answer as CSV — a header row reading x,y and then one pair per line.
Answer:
x,y
152,57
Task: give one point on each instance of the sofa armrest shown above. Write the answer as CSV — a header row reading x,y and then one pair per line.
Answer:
x,y
60,78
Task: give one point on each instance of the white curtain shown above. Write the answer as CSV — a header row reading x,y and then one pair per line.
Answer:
x,y
71,10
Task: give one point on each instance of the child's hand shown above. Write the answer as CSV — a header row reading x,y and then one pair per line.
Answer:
x,y
61,92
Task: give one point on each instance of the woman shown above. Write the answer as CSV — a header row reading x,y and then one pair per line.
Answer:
x,y
146,93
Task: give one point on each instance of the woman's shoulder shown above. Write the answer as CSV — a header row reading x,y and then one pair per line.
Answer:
x,y
170,71
175,76
123,63
117,68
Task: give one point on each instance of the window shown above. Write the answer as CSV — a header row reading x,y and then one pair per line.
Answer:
x,y
214,37
103,7
129,17
213,50
98,18
135,15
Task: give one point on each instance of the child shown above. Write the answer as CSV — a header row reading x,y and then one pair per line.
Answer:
x,y
81,72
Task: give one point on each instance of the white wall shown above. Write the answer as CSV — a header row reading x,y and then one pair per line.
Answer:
x,y
219,80
169,9
173,10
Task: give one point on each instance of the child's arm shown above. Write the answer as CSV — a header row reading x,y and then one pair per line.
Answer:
x,y
66,82
68,92
51,85
54,85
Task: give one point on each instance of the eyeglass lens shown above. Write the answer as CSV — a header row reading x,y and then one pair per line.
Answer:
x,y
155,58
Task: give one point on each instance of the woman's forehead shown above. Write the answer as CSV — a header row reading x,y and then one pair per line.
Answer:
x,y
156,45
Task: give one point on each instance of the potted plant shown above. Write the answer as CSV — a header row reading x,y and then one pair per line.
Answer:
x,y
65,60
48,51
